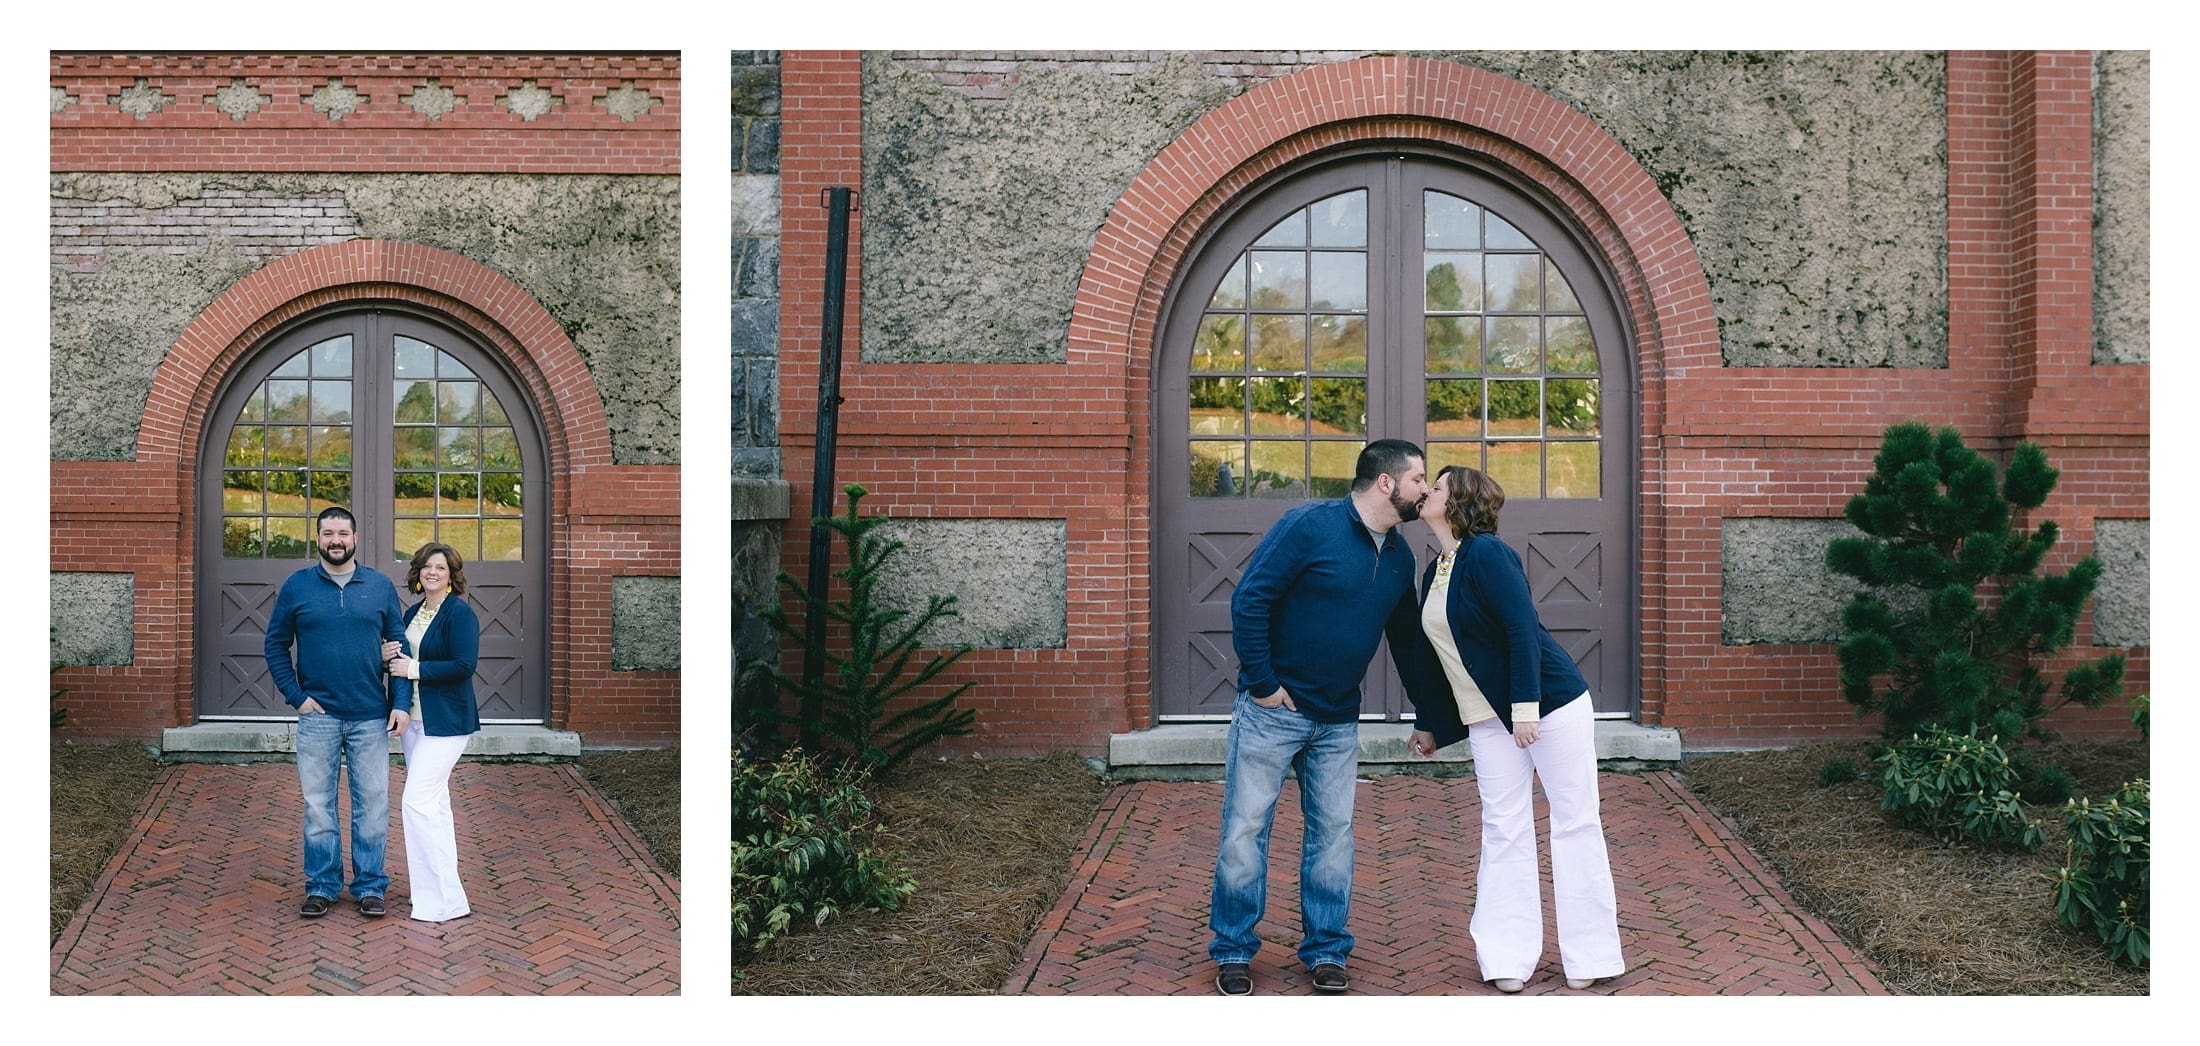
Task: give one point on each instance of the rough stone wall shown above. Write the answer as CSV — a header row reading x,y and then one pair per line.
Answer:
x,y
760,496
2121,604
601,253
1773,583
1008,576
91,616
2121,172
645,623
1813,184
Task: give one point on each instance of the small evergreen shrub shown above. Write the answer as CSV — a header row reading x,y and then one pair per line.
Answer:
x,y
2104,884
1957,786
1839,770
2042,784
802,849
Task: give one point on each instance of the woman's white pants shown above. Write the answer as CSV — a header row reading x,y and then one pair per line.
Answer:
x,y
1508,906
431,842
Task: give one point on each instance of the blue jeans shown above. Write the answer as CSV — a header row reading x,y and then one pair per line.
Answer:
x,y
324,743
1264,742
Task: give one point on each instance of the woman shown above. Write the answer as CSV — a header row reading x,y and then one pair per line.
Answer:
x,y
1525,711
447,637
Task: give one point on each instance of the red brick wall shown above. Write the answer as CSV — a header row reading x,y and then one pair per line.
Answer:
x,y
1715,442
606,519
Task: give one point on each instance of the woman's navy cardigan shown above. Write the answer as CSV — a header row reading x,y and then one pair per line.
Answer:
x,y
447,654
1504,645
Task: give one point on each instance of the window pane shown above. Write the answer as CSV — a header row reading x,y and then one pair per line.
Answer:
x,y
413,448
287,538
1340,343
286,400
492,410
1455,408
1452,282
1517,467
1218,469
1453,344
332,358
1558,294
1340,407
1568,345
242,492
457,402
255,406
297,366
1279,343
415,402
1442,454
1340,280
500,540
458,494
411,534
447,367
1230,293
1501,236
1574,471
415,493
241,538
247,446
500,494
1571,406
1279,469
286,492
1341,221
414,359
1278,279
331,447
331,401
1449,223
499,449
1220,345
1290,232
1511,344
1334,465
1278,406
286,445
1512,282
330,489
1516,408
1217,406
458,448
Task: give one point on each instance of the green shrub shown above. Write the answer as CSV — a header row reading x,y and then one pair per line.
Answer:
x,y
2042,784
1839,770
1956,785
801,848
2139,716
2104,884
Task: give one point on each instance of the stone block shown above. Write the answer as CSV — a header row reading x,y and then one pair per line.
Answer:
x,y
2122,270
1009,578
1774,585
645,624
93,617
2121,602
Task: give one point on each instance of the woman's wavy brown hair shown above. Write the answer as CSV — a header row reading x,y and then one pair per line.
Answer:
x,y
450,555
1471,500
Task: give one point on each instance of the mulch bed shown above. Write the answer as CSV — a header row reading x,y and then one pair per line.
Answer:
x,y
94,792
1939,919
990,842
645,785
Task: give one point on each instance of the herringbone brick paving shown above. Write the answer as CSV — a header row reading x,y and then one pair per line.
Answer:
x,y
1699,915
202,898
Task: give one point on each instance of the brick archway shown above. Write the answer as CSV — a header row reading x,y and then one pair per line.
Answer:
x,y
508,320
1582,171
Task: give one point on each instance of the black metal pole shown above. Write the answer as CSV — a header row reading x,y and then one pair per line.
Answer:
x,y
822,494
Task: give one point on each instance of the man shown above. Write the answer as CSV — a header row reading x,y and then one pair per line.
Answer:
x,y
1325,585
339,613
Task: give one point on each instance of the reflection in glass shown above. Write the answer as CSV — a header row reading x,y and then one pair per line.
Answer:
x,y
1455,408
447,367
1339,407
1452,282
1230,293
1220,344
255,406
413,448
492,411
415,402
500,540
1279,469
297,366
331,447
459,494
1442,454
1510,344
415,493
1279,343
1217,406
500,493
1341,220
1558,294
457,402
1340,343
1218,469
458,448
1517,467
286,445
1290,232
241,492
1334,466
329,489
1571,406
1516,408
1501,236
286,401
1453,344
410,535
1278,280
1340,280
414,359
289,538
1574,469
1568,346
1278,406
1511,284
332,358
241,538
1449,223
499,449
247,446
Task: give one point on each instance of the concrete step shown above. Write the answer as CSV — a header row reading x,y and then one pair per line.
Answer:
x,y
1193,751
237,742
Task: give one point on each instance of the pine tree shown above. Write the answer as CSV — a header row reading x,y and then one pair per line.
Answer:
x,y
1960,643
865,672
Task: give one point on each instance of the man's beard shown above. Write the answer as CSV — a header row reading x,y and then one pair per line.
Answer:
x,y
1406,510
336,557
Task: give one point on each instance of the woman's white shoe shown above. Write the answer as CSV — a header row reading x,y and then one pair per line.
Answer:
x,y
1508,985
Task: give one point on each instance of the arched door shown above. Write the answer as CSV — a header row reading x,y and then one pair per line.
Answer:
x,y
414,428
1392,296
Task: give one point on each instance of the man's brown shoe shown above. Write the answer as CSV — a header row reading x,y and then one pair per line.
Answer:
x,y
1234,978
314,907
1329,977
372,908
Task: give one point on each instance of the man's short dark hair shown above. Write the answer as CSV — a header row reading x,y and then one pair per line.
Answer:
x,y
1384,456
337,511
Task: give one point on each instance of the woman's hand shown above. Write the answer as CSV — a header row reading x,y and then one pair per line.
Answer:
x,y
404,667
1525,734
390,649
1422,744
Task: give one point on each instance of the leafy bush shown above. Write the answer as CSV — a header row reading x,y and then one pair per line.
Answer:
x,y
864,672
800,849
1957,785
2104,885
2140,716
1962,649
1836,771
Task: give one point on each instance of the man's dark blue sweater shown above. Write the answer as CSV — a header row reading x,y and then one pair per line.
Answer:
x,y
1314,601
339,631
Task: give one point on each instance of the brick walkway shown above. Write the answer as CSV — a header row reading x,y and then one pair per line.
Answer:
x,y
202,898
1698,914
